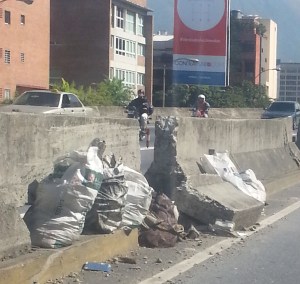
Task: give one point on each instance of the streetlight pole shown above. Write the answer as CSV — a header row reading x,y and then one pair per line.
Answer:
x,y
259,74
164,85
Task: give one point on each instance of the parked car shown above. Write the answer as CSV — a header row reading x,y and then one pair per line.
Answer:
x,y
47,102
279,109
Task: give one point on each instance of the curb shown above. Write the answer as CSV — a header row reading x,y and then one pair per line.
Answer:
x,y
44,265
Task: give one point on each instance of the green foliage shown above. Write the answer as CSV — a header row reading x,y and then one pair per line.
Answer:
x,y
245,95
261,29
108,92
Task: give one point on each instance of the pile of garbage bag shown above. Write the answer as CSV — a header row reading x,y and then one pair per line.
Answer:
x,y
86,192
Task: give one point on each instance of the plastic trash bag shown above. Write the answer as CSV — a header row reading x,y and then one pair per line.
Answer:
x,y
57,215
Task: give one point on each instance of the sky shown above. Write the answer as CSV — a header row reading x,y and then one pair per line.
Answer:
x,y
285,13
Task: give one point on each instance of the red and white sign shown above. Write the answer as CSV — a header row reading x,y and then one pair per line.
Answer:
x,y
200,27
200,33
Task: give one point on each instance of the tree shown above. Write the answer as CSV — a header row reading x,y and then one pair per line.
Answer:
x,y
245,95
108,92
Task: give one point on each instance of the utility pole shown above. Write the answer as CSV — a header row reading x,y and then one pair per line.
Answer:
x,y
164,85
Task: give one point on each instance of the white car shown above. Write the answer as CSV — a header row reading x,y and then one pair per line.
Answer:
x,y
47,102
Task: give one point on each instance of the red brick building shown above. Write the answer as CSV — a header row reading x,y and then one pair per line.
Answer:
x,y
96,39
24,46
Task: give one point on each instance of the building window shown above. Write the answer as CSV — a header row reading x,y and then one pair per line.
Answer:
x,y
128,77
130,22
141,49
7,56
111,72
112,40
6,94
120,74
22,56
125,47
7,17
120,18
22,19
140,25
140,79
120,46
130,48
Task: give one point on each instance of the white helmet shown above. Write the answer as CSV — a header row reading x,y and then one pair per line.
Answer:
x,y
201,97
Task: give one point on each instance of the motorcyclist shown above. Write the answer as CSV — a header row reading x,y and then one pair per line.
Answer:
x,y
142,109
141,104
202,107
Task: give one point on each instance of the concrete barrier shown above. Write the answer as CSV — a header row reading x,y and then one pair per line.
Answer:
x,y
29,145
246,113
261,145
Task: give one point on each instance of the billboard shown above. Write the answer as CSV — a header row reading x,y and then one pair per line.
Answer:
x,y
200,42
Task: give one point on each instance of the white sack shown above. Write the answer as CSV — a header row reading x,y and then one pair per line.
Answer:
x,y
137,199
245,181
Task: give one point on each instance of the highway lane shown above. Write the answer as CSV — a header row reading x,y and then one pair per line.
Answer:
x,y
268,256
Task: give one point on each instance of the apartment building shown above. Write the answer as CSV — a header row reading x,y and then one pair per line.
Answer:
x,y
253,51
289,82
96,39
24,46
245,45
268,75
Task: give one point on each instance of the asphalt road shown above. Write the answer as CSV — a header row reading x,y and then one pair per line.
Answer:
x,y
268,256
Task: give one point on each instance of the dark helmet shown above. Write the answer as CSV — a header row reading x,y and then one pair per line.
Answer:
x,y
141,93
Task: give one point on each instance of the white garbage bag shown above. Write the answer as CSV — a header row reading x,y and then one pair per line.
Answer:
x,y
244,181
57,215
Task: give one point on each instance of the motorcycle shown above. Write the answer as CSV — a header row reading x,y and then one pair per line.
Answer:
x,y
198,113
144,132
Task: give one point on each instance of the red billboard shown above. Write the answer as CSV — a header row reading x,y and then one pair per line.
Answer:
x,y
200,41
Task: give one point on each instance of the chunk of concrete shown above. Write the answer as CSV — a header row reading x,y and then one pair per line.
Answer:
x,y
218,201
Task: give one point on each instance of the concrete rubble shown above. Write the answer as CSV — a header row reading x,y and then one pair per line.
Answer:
x,y
194,185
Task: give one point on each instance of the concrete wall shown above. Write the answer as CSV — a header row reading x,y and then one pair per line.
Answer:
x,y
233,135
246,113
29,144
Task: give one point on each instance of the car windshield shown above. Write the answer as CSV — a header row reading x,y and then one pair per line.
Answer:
x,y
288,107
38,99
